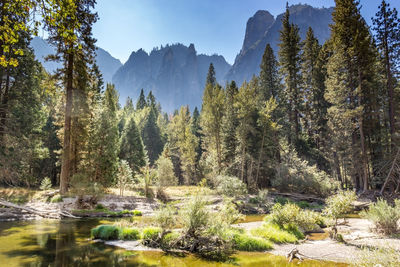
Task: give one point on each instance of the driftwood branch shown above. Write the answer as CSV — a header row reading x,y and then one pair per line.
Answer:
x,y
50,214
389,176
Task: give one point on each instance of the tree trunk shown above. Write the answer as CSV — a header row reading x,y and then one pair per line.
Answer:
x,y
364,158
259,157
4,109
66,161
337,166
389,87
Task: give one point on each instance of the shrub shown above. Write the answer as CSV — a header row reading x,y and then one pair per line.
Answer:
x,y
282,200
230,186
129,234
245,242
384,216
169,239
124,176
295,174
165,172
195,216
45,184
56,199
339,204
136,213
291,216
165,217
100,207
274,233
105,232
151,235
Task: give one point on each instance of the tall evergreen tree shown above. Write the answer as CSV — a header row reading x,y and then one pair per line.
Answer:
x,y
141,103
151,137
269,76
131,148
229,125
69,25
105,141
211,76
387,34
289,60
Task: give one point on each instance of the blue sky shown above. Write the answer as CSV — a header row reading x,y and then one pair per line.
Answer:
x,y
214,26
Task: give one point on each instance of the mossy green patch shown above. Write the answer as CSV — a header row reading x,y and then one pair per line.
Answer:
x,y
245,242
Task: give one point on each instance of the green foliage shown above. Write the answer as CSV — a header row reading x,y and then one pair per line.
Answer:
x,y
195,216
170,239
339,204
291,216
150,235
106,232
229,186
124,176
45,184
274,233
165,217
384,216
165,171
56,199
129,234
245,242
136,213
100,207
147,178
294,174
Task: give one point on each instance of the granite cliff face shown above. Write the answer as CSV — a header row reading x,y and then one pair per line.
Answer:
x,y
175,73
108,65
261,30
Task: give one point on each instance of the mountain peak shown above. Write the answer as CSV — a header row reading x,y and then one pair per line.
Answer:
x,y
256,27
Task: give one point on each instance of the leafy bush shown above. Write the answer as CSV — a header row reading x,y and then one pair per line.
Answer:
x,y
195,216
274,233
169,239
292,216
295,174
245,242
100,207
124,176
339,204
136,213
45,184
165,172
281,200
106,232
151,235
229,186
56,199
129,234
384,216
165,217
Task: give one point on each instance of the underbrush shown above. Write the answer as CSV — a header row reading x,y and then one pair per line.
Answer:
x,y
384,216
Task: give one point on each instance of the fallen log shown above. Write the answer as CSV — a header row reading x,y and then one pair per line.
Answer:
x,y
45,214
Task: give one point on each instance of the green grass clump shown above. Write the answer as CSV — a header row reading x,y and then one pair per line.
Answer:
x,y
384,216
136,213
245,242
151,233
274,233
56,199
129,234
100,207
106,232
169,239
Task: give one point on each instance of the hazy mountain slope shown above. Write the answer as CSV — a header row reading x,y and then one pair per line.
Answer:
x,y
175,74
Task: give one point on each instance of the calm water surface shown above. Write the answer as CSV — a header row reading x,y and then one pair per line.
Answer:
x,y
67,243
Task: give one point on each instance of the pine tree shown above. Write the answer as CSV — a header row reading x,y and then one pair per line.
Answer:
x,y
269,76
105,140
196,130
151,137
69,25
289,60
350,87
211,76
141,103
229,125
131,148
387,34
211,120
